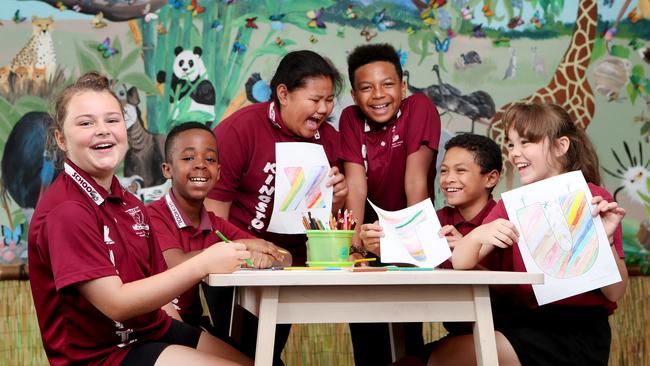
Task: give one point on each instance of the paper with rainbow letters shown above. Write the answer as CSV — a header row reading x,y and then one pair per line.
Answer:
x,y
300,176
411,236
559,237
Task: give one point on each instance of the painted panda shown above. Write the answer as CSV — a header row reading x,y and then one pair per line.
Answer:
x,y
190,70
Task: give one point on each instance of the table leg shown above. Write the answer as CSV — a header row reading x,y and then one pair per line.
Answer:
x,y
485,344
266,326
397,346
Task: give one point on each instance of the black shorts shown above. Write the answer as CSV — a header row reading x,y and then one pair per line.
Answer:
x,y
146,353
550,335
561,335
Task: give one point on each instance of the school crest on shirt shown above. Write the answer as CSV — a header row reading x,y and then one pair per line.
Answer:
x,y
140,227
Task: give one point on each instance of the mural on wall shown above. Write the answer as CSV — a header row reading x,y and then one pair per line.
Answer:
x,y
173,61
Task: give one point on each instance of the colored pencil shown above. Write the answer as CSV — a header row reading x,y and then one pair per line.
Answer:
x,y
225,240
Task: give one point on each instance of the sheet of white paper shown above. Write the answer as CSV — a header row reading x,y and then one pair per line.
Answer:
x,y
300,177
411,236
560,238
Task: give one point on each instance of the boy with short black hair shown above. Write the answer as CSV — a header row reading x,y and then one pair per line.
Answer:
x,y
183,226
470,170
389,144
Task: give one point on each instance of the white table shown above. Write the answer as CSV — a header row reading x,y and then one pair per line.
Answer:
x,y
301,297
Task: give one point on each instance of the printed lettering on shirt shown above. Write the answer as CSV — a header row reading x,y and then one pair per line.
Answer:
x,y
107,239
83,184
176,214
124,334
140,227
175,304
266,192
364,155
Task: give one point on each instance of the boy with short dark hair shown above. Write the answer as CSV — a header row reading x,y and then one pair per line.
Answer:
x,y
470,170
389,144
183,226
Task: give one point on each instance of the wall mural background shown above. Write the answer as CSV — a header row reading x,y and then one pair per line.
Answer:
x,y
471,57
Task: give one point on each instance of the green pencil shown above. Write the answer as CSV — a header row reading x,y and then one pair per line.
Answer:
x,y
225,240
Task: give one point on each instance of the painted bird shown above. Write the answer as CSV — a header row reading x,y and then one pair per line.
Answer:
x,y
257,89
27,169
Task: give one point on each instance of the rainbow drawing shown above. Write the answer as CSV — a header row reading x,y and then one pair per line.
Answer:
x,y
545,231
304,188
406,229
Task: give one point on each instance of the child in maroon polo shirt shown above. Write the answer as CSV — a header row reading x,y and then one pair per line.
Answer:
x,y
97,276
469,172
388,146
303,90
183,226
542,142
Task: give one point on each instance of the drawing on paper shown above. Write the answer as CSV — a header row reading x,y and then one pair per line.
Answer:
x,y
304,191
406,229
561,235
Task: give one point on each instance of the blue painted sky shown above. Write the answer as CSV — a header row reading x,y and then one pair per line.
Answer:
x,y
31,7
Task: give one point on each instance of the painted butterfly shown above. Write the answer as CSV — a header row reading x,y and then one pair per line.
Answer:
x,y
106,49
633,16
250,23
17,18
161,29
12,237
349,13
177,4
314,18
478,32
367,33
487,11
466,13
428,16
148,15
438,3
195,8
515,22
98,21
276,21
216,25
238,47
442,46
60,5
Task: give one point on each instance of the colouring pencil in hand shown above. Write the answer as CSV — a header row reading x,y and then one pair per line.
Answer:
x,y
225,240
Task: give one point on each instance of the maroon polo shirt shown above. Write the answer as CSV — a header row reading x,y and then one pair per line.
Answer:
x,y
81,232
451,216
383,148
246,144
509,259
174,230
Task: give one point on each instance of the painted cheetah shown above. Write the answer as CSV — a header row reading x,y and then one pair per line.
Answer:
x,y
39,50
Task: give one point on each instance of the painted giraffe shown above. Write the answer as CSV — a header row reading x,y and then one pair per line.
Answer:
x,y
568,87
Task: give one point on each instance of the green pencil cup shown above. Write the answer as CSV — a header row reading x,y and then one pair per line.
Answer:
x,y
328,245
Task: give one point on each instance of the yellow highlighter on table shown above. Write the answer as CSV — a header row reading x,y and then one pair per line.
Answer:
x,y
225,240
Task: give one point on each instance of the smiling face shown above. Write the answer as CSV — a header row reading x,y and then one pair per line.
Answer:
x,y
304,109
461,180
378,91
94,134
194,166
533,160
